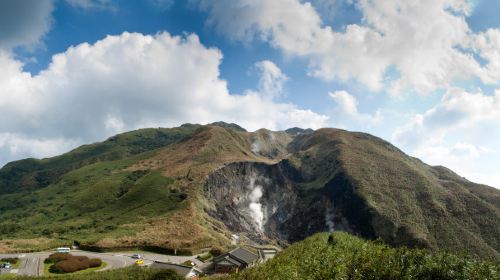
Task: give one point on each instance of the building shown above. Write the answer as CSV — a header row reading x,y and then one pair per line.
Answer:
x,y
235,260
185,271
267,253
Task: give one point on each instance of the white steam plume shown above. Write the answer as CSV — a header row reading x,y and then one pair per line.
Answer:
x,y
255,206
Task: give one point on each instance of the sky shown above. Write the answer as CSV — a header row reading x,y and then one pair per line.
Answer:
x,y
422,74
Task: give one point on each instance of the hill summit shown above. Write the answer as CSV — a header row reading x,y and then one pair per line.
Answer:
x,y
197,186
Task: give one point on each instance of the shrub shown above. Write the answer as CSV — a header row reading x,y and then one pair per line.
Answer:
x,y
74,263
56,257
216,251
95,262
10,260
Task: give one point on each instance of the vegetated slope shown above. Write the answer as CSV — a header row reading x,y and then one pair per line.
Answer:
x,y
31,174
209,182
343,256
129,273
405,201
144,197
339,180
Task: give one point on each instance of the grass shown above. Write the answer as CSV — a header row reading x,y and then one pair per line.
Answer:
x,y
342,256
46,269
129,273
32,174
205,257
96,201
384,193
129,192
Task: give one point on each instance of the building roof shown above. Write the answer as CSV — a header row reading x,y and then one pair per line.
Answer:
x,y
227,260
243,255
182,270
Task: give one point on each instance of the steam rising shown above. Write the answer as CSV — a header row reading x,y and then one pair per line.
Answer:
x,y
255,206
329,215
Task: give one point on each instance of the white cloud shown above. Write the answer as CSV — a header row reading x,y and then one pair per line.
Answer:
x,y
422,40
14,146
432,136
124,82
458,109
271,79
347,112
24,22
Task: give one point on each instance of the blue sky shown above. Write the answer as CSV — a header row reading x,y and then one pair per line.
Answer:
x,y
421,74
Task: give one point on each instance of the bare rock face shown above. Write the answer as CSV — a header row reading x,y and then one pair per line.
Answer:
x,y
266,202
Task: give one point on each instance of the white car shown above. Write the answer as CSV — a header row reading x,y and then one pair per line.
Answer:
x,y
136,256
5,265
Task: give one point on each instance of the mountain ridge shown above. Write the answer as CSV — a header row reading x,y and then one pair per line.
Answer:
x,y
220,181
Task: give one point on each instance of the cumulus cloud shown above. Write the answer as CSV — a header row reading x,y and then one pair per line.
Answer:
x,y
24,22
271,79
427,43
124,82
458,109
346,110
438,135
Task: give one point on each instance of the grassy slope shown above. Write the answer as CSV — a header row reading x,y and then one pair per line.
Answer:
x,y
31,174
150,199
92,197
342,256
190,161
130,273
154,198
405,201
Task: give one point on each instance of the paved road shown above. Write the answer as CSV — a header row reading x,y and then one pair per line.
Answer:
x,y
151,257
32,263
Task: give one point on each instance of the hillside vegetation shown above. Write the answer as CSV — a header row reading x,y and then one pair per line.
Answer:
x,y
343,256
384,193
32,174
194,186
129,273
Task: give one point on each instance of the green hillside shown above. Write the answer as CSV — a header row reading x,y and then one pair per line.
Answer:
x,y
31,174
384,193
129,273
343,256
193,186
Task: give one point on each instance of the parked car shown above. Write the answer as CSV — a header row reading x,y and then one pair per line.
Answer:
x,y
5,265
139,262
136,256
63,250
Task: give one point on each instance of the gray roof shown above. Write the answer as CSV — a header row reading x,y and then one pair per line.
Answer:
x,y
182,270
244,255
227,260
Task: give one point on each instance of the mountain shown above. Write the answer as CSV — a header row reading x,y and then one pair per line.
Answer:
x,y
196,186
343,256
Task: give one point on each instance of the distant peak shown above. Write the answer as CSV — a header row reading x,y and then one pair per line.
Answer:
x,y
298,130
228,125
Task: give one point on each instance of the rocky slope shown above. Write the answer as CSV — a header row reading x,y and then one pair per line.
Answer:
x,y
220,180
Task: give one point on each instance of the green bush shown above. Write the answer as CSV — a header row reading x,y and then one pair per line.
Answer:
x,y
129,273
10,260
67,263
342,256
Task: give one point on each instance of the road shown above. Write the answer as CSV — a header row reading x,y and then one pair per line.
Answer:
x,y
32,263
